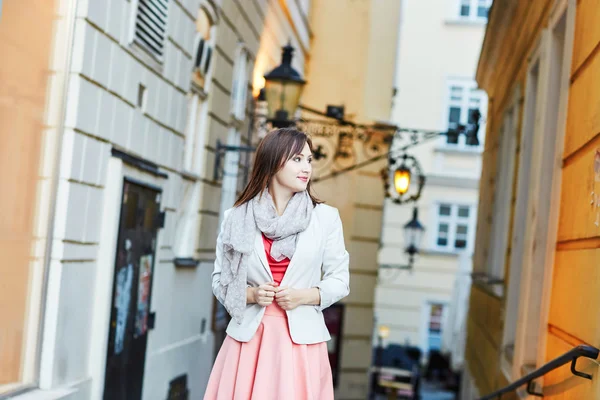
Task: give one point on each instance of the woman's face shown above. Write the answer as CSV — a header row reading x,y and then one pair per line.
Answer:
x,y
296,172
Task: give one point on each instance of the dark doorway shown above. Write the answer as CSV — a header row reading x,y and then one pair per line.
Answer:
x,y
130,317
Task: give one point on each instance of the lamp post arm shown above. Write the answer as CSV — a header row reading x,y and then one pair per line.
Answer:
x,y
428,136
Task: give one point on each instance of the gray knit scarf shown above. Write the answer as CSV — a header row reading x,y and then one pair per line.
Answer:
x,y
238,241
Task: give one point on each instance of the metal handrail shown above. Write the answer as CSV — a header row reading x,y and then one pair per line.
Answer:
x,y
570,356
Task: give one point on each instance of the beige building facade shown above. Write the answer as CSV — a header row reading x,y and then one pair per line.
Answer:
x,y
350,40
438,51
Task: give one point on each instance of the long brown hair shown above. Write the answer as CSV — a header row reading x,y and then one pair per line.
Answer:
x,y
277,147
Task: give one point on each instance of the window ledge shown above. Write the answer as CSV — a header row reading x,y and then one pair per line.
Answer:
x,y
466,21
477,151
441,252
38,394
190,176
198,90
527,369
146,58
494,290
186,262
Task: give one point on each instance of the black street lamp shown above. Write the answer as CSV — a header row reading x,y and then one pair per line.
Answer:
x,y
413,235
470,130
283,88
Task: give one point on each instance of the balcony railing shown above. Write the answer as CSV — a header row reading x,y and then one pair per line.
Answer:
x,y
570,356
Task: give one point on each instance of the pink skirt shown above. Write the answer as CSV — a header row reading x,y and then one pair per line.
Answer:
x,y
270,366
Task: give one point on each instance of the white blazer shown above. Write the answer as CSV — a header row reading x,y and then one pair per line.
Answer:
x,y
320,260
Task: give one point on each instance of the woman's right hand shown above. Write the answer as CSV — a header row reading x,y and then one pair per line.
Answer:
x,y
264,294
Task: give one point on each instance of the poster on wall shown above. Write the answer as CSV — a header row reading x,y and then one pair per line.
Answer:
x,y
141,317
334,320
122,299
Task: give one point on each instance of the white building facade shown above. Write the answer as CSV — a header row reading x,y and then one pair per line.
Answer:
x,y
123,308
437,58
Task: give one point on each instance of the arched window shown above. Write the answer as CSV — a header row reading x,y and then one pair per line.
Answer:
x,y
239,87
204,44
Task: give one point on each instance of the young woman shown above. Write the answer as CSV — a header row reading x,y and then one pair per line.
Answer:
x,y
281,260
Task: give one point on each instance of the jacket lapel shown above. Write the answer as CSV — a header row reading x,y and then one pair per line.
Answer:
x,y
259,248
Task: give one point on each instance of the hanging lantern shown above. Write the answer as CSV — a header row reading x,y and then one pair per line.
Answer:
x,y
402,180
283,88
413,234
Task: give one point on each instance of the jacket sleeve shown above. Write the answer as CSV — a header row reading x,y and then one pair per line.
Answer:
x,y
216,275
335,284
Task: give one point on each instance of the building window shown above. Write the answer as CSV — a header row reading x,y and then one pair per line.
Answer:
x,y
239,93
197,113
204,45
454,227
434,326
463,100
195,132
474,9
151,26
232,173
503,192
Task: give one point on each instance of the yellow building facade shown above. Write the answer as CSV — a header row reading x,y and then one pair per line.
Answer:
x,y
535,264
27,139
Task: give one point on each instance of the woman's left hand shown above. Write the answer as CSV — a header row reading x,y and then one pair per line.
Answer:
x,y
289,298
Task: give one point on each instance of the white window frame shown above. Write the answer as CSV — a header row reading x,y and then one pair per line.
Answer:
x,y
503,191
135,7
467,86
519,217
453,220
187,224
231,170
426,319
473,9
208,49
546,122
239,98
239,86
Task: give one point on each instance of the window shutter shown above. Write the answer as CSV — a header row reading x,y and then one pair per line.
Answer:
x,y
199,53
207,62
151,25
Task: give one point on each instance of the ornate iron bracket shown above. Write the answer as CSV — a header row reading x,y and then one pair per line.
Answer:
x,y
341,146
220,152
